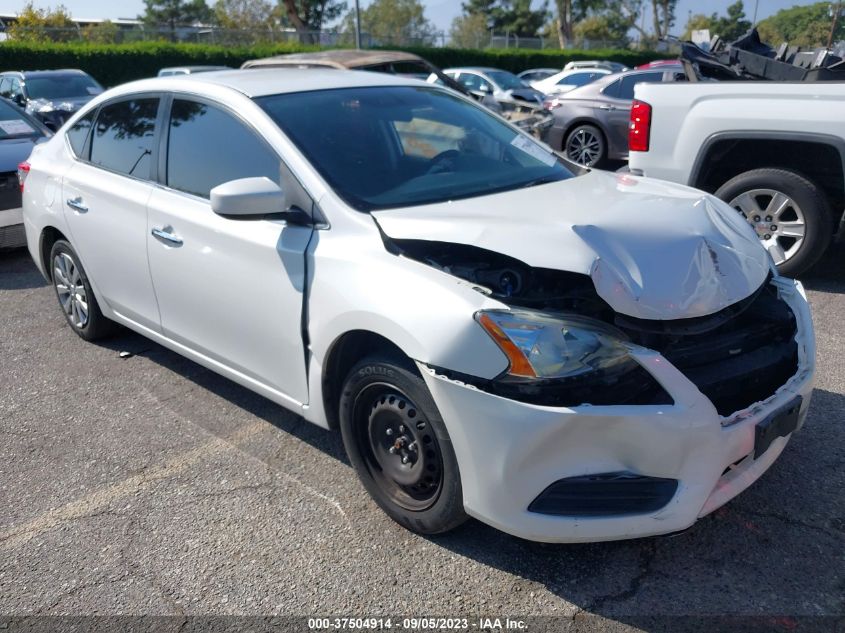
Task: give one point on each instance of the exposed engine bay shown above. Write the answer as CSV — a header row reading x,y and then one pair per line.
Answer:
x,y
736,356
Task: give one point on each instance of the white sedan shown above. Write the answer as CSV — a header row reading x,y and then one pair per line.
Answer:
x,y
566,355
567,80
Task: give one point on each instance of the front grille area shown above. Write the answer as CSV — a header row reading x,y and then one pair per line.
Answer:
x,y
10,191
735,357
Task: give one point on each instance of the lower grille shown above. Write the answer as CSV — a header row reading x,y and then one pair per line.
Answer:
x,y
735,361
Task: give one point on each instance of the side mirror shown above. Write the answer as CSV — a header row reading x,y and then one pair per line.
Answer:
x,y
18,98
484,89
248,197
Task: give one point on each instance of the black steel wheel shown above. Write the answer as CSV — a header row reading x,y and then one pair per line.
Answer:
x,y
399,446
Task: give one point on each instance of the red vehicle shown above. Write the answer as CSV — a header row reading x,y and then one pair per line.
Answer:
x,y
657,63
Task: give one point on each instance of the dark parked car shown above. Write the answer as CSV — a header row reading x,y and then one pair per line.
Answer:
x,y
591,122
50,95
19,131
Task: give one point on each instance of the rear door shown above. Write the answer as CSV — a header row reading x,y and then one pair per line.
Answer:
x,y
616,109
229,289
105,194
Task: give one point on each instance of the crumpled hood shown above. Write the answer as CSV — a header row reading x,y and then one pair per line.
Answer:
x,y
654,250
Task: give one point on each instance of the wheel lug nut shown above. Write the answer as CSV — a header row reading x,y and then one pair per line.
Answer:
x,y
404,459
774,227
401,428
768,218
767,236
756,218
389,431
392,450
412,446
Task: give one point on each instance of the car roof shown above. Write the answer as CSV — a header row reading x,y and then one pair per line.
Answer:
x,y
259,82
341,58
477,69
46,73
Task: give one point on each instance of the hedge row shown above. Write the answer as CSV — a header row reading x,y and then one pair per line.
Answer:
x,y
113,64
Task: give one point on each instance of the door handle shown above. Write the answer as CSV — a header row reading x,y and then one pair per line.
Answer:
x,y
166,236
607,107
76,204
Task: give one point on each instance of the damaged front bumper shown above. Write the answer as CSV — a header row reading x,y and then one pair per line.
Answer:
x,y
510,452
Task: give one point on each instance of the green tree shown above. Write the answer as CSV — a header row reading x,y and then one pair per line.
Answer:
x,y
734,25
395,22
807,26
663,17
309,15
729,27
469,31
601,28
518,18
244,14
42,25
173,13
105,32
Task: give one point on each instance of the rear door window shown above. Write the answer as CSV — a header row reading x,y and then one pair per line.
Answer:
x,y
123,137
208,146
77,135
627,83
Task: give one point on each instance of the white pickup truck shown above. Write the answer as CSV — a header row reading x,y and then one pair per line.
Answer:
x,y
774,151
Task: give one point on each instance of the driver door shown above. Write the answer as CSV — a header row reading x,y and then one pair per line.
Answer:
x,y
230,290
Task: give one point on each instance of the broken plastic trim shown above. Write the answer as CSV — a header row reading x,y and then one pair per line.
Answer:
x,y
628,384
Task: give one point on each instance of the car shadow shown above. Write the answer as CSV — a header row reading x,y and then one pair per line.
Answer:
x,y
828,274
628,581
776,549
18,272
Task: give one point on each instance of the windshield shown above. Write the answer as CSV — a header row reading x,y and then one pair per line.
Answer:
x,y
61,86
396,146
506,80
13,124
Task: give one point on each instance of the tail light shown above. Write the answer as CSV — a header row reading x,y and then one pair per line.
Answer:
x,y
23,172
639,129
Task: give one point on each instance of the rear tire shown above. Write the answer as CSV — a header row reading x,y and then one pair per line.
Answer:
x,y
586,146
399,446
75,295
796,208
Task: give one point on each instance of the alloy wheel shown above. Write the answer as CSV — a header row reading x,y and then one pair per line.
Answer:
x,y
70,289
584,147
776,218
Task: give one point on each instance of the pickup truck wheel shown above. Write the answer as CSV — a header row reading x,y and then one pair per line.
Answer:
x,y
585,145
76,298
399,446
789,213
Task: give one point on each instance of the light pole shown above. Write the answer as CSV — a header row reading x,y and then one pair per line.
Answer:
x,y
357,24
754,20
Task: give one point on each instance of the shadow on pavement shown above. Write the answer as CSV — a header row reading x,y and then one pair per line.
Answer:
x,y
18,271
776,549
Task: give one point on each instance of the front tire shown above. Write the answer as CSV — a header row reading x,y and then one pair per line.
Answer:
x,y
76,298
399,446
789,213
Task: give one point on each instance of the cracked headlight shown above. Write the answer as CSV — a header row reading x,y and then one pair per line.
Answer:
x,y
549,346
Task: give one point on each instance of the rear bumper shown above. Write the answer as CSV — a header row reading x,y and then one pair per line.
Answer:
x,y
509,452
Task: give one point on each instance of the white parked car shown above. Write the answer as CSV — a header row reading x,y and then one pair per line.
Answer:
x,y
567,80
563,354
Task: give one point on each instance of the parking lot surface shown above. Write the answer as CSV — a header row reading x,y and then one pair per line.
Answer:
x,y
149,485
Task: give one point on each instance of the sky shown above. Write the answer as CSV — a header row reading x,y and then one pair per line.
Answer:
x,y
440,12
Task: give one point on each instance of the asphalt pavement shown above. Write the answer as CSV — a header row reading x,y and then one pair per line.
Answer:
x,y
149,485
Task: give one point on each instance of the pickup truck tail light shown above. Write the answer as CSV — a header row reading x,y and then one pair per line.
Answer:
x,y
639,128
23,172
